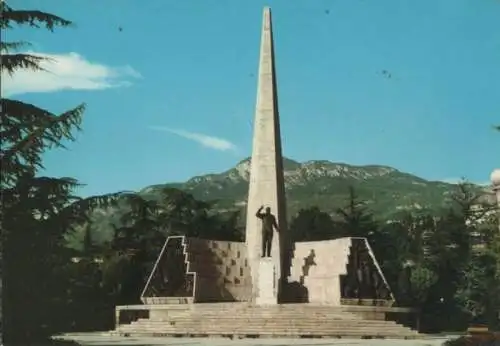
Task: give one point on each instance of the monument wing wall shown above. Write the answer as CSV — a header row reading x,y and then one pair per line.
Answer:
x,y
198,270
171,279
222,270
318,266
340,271
364,283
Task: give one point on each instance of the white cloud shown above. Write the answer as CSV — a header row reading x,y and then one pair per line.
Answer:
x,y
211,142
483,183
452,180
69,71
459,180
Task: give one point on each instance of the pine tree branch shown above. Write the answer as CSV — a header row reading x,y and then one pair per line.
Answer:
x,y
44,125
10,46
52,201
13,62
42,196
36,19
26,131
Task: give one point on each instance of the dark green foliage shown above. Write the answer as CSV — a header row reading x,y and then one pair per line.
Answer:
x,y
479,290
469,341
36,211
461,341
422,279
311,224
355,218
27,131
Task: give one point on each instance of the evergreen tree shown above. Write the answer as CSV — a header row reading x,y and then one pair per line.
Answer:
x,y
478,291
27,131
356,219
312,224
88,244
36,211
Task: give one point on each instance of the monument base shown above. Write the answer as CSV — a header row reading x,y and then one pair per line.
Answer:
x,y
237,320
267,293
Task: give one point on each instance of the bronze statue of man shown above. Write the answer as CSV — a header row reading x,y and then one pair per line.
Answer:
x,y
268,226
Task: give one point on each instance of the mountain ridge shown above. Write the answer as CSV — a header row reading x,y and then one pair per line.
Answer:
x,y
385,191
324,184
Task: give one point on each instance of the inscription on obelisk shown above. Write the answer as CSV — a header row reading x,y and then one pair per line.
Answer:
x,y
266,188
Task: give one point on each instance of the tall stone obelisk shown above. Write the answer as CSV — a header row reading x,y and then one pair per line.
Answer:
x,y
266,186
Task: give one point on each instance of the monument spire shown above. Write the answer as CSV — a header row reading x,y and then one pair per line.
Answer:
x,y
266,186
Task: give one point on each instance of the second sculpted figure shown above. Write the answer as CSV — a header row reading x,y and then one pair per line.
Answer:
x,y
268,226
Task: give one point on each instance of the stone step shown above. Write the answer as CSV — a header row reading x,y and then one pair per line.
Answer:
x,y
260,331
264,310
271,311
249,328
281,328
276,321
295,319
273,323
276,333
209,325
249,305
276,308
315,316
282,311
257,319
255,312
285,326
244,306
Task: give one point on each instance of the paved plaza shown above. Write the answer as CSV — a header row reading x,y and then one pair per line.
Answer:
x,y
103,339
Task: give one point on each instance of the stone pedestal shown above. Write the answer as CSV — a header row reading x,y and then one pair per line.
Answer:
x,y
267,290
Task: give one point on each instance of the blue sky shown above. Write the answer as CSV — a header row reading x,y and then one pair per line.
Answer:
x,y
170,85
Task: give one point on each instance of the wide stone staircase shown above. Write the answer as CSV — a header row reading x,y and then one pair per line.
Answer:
x,y
244,320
